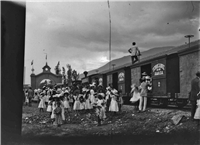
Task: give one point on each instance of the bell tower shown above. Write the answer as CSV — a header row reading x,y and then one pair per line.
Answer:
x,y
46,68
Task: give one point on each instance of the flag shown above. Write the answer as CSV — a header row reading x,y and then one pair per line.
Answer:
x,y
32,62
108,4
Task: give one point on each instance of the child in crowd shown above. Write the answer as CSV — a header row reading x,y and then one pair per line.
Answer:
x,y
49,108
61,97
58,116
113,104
41,105
120,100
53,109
26,98
135,95
108,98
92,95
76,106
82,102
100,109
47,96
88,105
66,102
71,101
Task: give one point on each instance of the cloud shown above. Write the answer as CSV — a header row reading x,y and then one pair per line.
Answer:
x,y
78,32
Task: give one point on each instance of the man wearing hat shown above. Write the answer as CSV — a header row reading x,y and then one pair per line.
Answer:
x,y
195,89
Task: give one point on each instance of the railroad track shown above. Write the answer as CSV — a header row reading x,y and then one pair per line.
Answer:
x,y
172,107
169,107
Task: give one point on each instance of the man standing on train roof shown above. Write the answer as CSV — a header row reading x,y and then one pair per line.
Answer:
x,y
195,89
135,53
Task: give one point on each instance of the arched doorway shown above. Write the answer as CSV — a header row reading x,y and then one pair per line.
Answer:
x,y
46,82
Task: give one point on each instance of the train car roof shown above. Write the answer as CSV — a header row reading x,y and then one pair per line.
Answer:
x,y
144,58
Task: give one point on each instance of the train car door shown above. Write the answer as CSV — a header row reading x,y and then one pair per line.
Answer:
x,y
135,75
109,79
159,88
121,82
115,80
146,69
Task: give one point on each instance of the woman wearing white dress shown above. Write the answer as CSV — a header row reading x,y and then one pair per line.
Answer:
x,y
197,113
49,107
53,108
113,104
92,97
88,105
82,102
136,94
41,105
76,106
66,102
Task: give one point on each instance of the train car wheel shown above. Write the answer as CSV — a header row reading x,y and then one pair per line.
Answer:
x,y
163,102
180,103
148,102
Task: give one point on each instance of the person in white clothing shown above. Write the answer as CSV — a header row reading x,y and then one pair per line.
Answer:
x,y
197,112
100,109
41,105
88,105
92,97
49,108
113,104
66,101
135,95
76,106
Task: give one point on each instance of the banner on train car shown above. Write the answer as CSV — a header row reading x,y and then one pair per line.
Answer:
x,y
121,76
159,67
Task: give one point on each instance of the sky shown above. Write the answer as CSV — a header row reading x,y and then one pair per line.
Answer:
x,y
77,33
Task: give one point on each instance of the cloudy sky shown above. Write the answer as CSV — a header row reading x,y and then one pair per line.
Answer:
x,y
77,33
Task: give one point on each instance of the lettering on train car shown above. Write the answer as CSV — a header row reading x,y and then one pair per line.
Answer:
x,y
121,77
158,69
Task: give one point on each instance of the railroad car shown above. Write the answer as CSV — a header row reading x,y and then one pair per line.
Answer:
x,y
171,72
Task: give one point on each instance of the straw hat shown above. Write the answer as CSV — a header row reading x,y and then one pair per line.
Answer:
x,y
144,73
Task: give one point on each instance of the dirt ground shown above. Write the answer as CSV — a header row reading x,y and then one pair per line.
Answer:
x,y
154,126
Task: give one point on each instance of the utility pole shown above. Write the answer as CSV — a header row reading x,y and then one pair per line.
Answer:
x,y
189,36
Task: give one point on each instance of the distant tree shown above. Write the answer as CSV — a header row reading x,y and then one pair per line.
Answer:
x,y
64,76
75,75
57,69
69,74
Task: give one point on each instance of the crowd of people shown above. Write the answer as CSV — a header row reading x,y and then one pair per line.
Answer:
x,y
60,101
